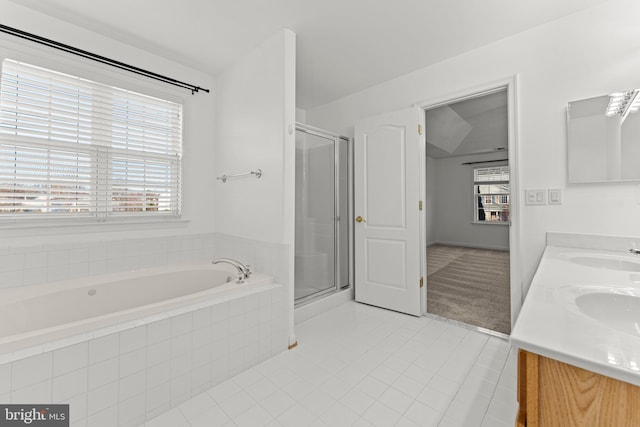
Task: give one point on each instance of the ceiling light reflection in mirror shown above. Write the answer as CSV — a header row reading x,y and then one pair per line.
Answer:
x,y
604,138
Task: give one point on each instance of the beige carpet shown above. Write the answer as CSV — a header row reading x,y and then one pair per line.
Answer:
x,y
469,285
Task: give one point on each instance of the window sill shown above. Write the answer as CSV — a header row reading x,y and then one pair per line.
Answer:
x,y
78,226
494,223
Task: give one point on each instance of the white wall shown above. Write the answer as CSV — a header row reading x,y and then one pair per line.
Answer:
x,y
199,120
256,130
251,135
590,53
454,204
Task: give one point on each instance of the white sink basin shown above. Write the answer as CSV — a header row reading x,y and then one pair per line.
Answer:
x,y
609,263
615,310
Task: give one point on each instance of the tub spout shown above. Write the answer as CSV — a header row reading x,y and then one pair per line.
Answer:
x,y
243,270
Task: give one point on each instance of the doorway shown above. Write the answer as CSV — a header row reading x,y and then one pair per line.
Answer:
x,y
392,220
468,210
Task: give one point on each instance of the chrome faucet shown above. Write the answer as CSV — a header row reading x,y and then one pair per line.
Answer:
x,y
635,251
244,270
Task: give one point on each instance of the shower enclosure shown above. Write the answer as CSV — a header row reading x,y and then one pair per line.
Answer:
x,y
323,208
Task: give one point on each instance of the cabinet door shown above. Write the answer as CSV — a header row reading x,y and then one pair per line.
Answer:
x,y
553,393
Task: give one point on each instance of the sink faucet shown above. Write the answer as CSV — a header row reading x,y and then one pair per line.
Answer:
x,y
243,270
635,251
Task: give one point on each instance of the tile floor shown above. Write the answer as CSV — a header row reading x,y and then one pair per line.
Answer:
x,y
358,365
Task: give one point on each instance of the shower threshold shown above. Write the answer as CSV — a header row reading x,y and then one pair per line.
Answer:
x,y
315,296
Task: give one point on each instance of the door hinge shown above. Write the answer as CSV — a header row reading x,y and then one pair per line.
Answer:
x,y
421,281
420,205
419,129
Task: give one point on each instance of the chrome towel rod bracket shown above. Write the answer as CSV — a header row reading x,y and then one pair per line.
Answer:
x,y
257,173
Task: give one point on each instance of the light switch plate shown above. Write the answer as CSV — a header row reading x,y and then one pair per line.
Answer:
x,y
555,196
535,197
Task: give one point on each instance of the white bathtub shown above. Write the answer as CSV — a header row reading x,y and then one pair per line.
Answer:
x,y
141,321
41,314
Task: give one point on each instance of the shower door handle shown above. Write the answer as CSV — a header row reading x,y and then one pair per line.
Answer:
x,y
360,219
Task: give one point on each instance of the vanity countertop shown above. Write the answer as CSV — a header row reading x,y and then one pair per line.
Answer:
x,y
583,308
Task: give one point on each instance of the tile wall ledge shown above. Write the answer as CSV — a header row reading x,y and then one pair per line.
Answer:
x,y
593,241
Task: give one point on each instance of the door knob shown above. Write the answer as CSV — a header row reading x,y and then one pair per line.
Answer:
x,y
360,219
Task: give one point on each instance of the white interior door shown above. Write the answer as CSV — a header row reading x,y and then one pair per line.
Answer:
x,y
386,196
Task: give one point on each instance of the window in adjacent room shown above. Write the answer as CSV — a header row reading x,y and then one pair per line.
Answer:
x,y
491,195
71,147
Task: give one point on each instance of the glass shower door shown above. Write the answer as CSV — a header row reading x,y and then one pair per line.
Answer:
x,y
315,253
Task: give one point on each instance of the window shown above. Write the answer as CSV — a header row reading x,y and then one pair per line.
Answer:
x,y
70,147
491,195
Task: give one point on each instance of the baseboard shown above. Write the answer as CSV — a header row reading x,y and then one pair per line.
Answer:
x,y
470,245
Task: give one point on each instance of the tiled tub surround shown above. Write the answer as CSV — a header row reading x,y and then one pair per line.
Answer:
x,y
24,264
129,372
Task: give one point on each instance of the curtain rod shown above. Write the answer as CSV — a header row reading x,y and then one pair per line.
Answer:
x,y
94,57
486,161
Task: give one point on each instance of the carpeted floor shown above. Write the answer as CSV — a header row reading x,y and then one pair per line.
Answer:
x,y
469,285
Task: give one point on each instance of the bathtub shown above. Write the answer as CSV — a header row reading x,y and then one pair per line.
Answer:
x,y
132,345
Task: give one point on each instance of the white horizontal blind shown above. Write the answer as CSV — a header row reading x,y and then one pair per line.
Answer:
x,y
492,174
74,147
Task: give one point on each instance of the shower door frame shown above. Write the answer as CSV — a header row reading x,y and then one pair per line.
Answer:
x,y
338,256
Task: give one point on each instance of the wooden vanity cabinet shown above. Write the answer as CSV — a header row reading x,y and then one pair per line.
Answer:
x,y
552,393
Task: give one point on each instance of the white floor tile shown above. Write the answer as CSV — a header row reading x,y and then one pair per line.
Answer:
x,y
406,422
335,387
282,377
408,386
490,421
196,406
362,423
318,402
299,389
381,415
467,413
261,389
358,401
385,374
172,418
473,387
396,400
224,391
340,415
372,386
247,378
434,399
212,417
237,404
444,385
296,416
254,417
362,366
277,403
423,415
503,410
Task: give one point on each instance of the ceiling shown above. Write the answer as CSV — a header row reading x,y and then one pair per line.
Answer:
x,y
472,126
343,46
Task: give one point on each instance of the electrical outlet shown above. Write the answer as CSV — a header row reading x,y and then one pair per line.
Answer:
x,y
535,197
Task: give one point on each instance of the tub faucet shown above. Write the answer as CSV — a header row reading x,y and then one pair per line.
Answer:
x,y
243,270
635,251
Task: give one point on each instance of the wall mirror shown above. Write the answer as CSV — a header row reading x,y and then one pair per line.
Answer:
x,y
604,138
